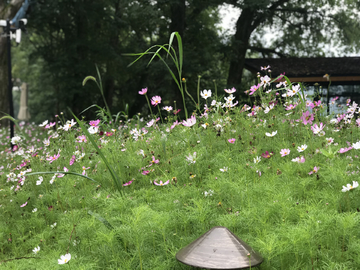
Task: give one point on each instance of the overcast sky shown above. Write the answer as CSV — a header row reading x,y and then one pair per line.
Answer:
x,y
229,15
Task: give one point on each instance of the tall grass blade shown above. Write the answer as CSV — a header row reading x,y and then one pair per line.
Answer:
x,y
73,173
114,176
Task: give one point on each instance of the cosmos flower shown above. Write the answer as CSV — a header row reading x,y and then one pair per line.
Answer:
x,y
64,258
272,134
189,122
302,148
284,152
155,100
315,170
350,187
161,183
36,250
128,183
143,91
205,94
230,91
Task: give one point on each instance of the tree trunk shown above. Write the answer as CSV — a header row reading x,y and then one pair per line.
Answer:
x,y
240,44
7,11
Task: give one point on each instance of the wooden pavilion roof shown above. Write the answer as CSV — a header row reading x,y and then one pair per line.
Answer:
x,y
342,70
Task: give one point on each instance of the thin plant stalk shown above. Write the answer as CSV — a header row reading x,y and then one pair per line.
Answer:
x,y
147,99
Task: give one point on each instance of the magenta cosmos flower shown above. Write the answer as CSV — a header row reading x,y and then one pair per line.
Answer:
x,y
267,154
161,183
128,183
284,152
143,91
155,100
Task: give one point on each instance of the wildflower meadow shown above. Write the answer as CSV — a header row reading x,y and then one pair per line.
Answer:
x,y
128,193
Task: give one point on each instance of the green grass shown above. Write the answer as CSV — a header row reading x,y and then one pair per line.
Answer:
x,y
293,219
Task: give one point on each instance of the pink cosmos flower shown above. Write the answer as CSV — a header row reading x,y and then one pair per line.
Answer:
x,y
253,89
143,91
161,183
317,129
232,140
24,204
174,124
145,172
343,150
189,122
317,103
307,118
315,170
81,139
84,170
154,161
284,152
299,159
128,183
230,91
290,107
94,123
155,100
108,134
50,125
72,160
53,158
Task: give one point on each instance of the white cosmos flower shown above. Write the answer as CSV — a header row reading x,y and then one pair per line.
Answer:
x,y
64,258
257,159
205,94
356,145
36,250
39,181
225,169
302,148
93,130
44,123
15,140
272,134
350,187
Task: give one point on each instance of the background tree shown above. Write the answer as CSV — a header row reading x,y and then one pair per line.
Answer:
x,y
301,28
7,11
67,38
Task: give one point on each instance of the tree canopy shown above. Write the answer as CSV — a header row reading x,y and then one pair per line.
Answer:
x,y
67,38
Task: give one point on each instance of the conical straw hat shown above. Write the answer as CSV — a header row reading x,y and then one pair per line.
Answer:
x,y
219,248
